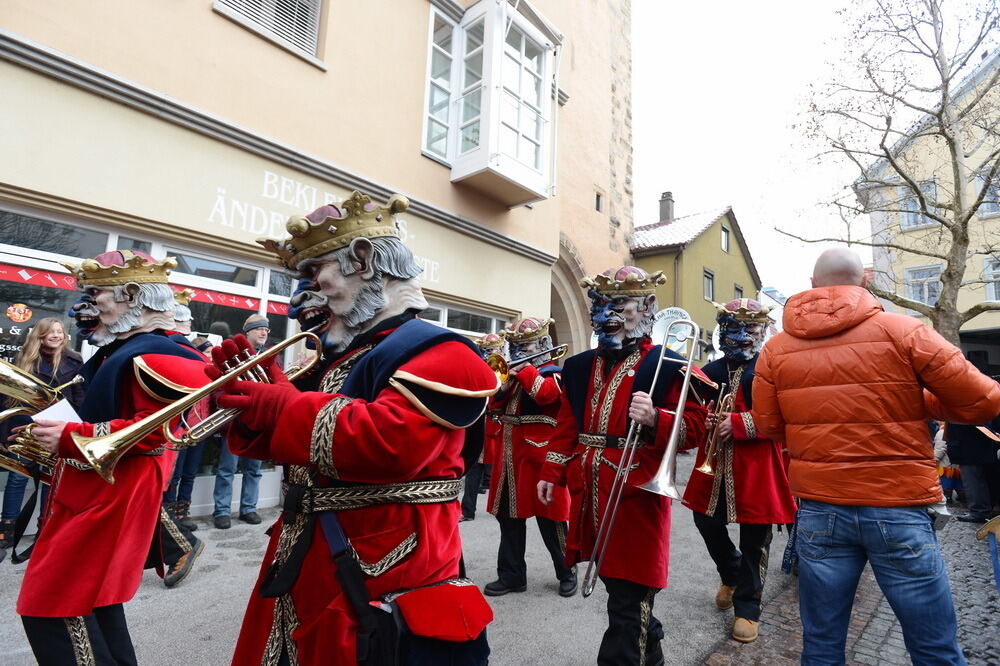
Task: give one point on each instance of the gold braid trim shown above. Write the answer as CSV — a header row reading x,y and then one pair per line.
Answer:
x,y
79,638
561,527
727,462
392,558
172,530
334,379
645,611
537,445
436,491
595,398
615,467
102,429
321,446
558,458
526,419
284,621
536,386
616,381
596,471
749,425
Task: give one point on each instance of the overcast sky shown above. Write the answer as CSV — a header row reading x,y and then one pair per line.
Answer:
x,y
718,89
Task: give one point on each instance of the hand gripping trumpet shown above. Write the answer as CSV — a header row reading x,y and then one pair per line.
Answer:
x,y
34,396
502,366
725,406
664,481
103,453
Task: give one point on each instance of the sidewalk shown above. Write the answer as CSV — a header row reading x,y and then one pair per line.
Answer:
x,y
874,636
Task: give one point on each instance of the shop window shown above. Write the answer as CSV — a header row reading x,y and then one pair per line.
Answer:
x,y
468,321
280,284
213,269
48,236
22,304
292,24
489,107
432,314
135,245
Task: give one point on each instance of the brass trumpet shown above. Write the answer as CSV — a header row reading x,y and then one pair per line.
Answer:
x,y
103,453
502,366
725,406
34,396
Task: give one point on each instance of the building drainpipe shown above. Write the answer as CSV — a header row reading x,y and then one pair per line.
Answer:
x,y
677,259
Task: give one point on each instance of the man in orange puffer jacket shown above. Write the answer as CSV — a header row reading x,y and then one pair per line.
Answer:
x,y
849,388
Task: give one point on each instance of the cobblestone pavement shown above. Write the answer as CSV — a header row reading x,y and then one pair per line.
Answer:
x,y
874,635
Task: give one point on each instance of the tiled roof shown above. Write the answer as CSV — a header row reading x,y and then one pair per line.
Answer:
x,y
678,232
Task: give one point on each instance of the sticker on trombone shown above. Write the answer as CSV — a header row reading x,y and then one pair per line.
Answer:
x,y
60,411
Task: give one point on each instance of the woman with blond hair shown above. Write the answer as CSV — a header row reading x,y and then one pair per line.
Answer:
x,y
47,356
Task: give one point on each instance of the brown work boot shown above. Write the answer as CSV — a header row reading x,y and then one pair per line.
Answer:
x,y
724,597
182,567
745,631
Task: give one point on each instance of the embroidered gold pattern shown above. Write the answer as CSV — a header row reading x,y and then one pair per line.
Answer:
x,y
561,527
334,379
727,458
434,491
102,429
537,445
645,610
536,386
750,426
172,530
558,458
321,446
526,419
601,441
79,638
391,559
595,398
612,390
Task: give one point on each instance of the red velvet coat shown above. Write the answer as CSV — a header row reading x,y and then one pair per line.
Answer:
x,y
527,413
96,538
640,545
387,440
750,469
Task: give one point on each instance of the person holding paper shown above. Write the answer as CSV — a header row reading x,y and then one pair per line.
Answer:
x,y
89,558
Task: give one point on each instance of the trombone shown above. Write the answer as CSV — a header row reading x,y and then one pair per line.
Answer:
x,y
664,481
103,453
502,366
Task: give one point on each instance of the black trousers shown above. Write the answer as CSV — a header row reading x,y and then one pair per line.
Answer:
x,y
512,570
744,568
175,539
634,634
470,497
100,638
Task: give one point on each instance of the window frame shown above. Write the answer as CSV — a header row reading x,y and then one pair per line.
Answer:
x,y
991,273
497,321
424,144
726,239
737,292
907,198
993,194
222,8
708,280
909,282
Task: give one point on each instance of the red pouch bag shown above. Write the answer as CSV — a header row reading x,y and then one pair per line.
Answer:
x,y
454,610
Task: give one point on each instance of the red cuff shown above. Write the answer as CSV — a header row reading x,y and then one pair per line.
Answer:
x,y
67,448
291,441
526,376
553,473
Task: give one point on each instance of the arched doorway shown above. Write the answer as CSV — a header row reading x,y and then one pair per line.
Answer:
x,y
569,304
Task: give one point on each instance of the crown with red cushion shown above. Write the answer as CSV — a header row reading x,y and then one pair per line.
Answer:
x,y
332,227
527,329
120,267
490,341
744,309
625,281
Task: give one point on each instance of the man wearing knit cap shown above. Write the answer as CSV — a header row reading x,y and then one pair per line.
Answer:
x,y
256,328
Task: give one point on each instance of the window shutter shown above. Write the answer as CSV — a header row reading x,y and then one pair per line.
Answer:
x,y
293,21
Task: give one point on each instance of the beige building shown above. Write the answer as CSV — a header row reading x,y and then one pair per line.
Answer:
x,y
898,221
704,257
191,129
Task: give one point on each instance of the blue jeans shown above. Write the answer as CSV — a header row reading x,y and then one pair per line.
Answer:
x,y
185,470
13,495
223,494
834,543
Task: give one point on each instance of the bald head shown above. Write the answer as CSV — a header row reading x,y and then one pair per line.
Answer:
x,y
838,266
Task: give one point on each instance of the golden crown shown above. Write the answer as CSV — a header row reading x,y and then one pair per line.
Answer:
x,y
134,268
744,309
625,281
184,296
357,217
490,341
526,330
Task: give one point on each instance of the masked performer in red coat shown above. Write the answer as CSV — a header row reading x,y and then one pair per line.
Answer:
x,y
603,389
748,482
477,477
89,559
526,408
372,441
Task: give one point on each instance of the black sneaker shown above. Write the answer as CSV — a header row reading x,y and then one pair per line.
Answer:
x,y
250,517
498,589
222,522
466,518
182,567
972,518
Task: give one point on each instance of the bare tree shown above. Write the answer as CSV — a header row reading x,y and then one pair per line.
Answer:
x,y
916,109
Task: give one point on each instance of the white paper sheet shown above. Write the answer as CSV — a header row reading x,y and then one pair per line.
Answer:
x,y
61,411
